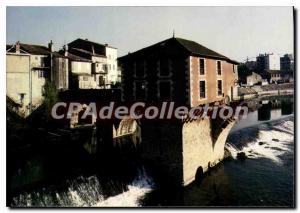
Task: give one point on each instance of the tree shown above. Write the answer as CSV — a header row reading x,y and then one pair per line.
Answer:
x,y
50,95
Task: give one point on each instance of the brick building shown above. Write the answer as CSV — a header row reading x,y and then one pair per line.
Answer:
x,y
178,70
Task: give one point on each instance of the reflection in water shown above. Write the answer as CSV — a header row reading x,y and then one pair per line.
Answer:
x,y
266,110
274,109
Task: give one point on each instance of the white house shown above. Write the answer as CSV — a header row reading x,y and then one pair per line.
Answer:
x,y
93,65
27,68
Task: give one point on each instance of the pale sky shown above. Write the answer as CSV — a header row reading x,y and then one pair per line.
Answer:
x,y
236,32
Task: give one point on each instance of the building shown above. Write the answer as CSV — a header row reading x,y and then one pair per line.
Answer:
x,y
60,71
31,66
275,76
178,70
287,62
92,65
27,68
254,79
265,62
278,76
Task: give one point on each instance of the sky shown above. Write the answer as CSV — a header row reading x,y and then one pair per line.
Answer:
x,y
236,32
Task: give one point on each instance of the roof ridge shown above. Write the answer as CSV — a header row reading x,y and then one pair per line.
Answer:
x,y
219,55
37,45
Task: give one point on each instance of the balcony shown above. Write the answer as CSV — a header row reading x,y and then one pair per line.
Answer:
x,y
99,68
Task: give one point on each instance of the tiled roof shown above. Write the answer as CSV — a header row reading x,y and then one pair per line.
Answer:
x,y
275,71
192,47
198,49
30,48
90,46
87,52
75,57
35,49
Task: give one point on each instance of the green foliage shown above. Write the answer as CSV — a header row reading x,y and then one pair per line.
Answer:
x,y
117,85
50,95
243,70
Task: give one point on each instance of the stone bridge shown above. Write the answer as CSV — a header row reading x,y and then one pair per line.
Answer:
x,y
182,149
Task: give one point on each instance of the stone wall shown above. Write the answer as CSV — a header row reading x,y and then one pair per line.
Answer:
x,y
200,150
181,150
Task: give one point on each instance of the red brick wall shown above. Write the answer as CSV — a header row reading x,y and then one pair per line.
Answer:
x,y
228,77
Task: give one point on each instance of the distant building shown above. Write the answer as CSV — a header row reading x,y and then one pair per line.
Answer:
x,y
254,79
28,67
265,62
287,62
92,65
251,65
278,76
178,70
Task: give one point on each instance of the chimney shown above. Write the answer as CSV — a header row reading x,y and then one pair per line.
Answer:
x,y
106,45
18,47
66,50
93,49
50,46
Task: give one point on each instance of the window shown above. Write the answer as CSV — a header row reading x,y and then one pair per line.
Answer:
x,y
104,67
165,90
140,90
219,67
220,92
101,81
22,96
41,74
233,68
201,66
140,69
85,78
202,89
164,69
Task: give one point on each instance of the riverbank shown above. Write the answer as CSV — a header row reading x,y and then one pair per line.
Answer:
x,y
245,93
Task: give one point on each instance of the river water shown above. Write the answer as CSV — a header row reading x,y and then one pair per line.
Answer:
x,y
264,179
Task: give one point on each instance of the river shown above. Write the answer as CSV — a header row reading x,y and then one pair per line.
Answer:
x,y
264,179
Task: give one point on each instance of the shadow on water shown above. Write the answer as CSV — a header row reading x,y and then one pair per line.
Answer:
x,y
211,189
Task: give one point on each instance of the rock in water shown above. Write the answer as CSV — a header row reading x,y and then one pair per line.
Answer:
x,y
241,156
275,139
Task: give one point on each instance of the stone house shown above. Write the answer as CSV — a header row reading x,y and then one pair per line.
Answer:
x,y
92,65
254,79
178,70
277,76
28,66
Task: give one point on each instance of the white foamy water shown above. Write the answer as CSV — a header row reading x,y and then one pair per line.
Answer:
x,y
136,190
269,144
87,192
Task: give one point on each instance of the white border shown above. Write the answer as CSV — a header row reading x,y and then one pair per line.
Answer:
x,y
5,3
